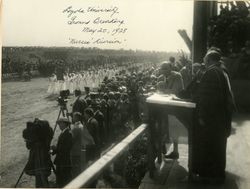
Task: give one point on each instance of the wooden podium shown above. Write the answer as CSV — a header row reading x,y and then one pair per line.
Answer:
x,y
159,107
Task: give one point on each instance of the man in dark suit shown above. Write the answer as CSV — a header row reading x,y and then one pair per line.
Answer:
x,y
79,104
62,151
87,92
98,115
105,110
93,151
213,115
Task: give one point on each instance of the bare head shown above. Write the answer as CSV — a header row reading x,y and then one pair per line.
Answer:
x,y
212,57
165,68
172,59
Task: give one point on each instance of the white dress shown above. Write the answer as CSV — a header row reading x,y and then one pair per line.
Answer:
x,y
52,85
54,89
60,86
84,79
88,79
71,84
77,81
66,81
93,81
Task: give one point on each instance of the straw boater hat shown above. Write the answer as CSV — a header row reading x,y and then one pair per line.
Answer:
x,y
63,120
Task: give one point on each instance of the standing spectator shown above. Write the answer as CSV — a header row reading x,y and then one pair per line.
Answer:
x,y
173,64
62,151
93,151
98,115
87,92
80,103
81,138
105,111
186,73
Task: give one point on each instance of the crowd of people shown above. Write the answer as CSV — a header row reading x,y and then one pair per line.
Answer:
x,y
101,116
117,106
114,109
77,81
91,78
230,29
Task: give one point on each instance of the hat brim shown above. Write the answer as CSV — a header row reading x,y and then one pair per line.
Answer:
x,y
63,121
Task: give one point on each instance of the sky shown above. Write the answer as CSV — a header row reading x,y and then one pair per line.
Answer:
x,y
147,24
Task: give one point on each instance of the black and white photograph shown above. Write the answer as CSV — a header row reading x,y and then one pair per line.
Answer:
x,y
125,94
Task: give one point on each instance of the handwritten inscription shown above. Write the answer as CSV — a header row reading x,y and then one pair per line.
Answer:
x,y
95,41
99,25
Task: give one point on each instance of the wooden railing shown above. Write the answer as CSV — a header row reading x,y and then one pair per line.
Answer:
x,y
92,172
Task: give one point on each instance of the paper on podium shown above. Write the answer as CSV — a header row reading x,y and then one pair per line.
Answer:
x,y
169,99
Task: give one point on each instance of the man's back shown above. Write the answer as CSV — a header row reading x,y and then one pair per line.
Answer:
x,y
186,75
77,130
92,126
79,105
213,98
63,149
173,83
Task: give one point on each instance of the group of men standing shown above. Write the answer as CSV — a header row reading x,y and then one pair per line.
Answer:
x,y
76,146
98,119
211,91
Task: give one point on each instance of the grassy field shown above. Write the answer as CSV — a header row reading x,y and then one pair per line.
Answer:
x,y
22,102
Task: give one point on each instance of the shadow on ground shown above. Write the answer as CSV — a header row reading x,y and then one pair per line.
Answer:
x,y
178,180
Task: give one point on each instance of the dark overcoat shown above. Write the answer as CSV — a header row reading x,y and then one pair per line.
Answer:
x,y
62,160
213,115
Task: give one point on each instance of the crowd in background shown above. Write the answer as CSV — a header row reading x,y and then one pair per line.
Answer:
x,y
118,104
92,78
229,30
106,111
110,110
107,114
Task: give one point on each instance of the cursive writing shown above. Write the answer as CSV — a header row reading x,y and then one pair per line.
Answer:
x,y
78,41
98,41
106,41
99,20
100,25
111,10
70,11
73,20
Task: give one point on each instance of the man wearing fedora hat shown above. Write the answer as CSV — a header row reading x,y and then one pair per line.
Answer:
x,y
62,151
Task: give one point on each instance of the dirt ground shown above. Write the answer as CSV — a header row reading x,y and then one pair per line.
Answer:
x,y
22,102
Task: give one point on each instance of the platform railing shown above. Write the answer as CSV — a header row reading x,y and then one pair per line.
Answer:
x,y
96,169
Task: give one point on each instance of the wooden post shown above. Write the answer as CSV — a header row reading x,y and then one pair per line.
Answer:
x,y
203,11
